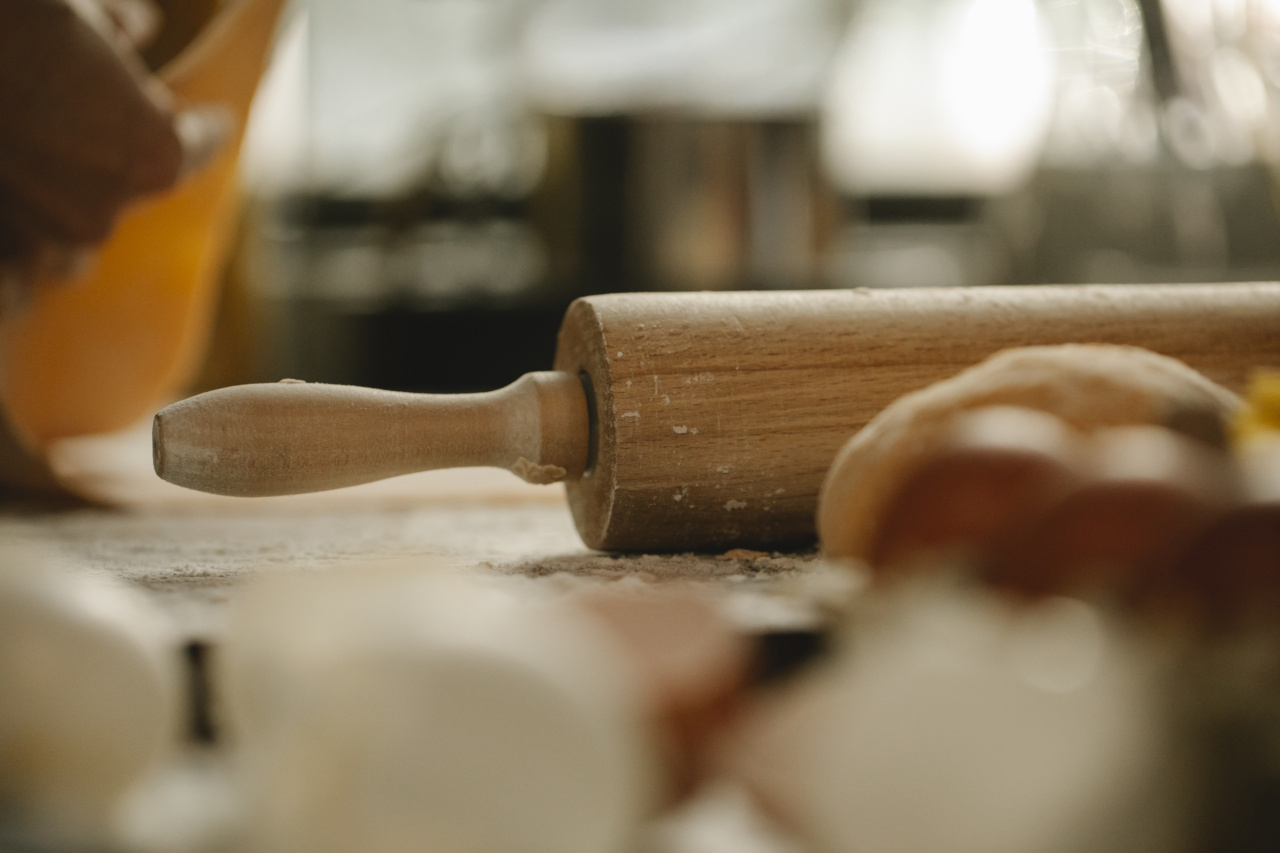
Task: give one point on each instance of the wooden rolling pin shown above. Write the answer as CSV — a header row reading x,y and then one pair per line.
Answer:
x,y
695,420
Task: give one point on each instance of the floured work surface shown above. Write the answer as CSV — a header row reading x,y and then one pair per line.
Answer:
x,y
191,553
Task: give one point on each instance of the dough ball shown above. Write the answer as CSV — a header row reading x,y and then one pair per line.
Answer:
x,y
89,698
1087,385
399,709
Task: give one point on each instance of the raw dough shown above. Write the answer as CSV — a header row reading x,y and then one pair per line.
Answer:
x,y
1088,385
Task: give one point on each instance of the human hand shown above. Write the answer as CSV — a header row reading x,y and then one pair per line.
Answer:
x,y
86,130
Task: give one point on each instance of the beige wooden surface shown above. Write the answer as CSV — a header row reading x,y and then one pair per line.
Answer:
x,y
191,551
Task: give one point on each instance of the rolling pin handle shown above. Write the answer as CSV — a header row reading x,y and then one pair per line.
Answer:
x,y
293,437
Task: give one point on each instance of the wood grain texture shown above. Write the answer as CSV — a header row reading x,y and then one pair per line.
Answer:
x,y
717,414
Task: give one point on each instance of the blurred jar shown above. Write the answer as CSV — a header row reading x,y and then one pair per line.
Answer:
x,y
933,106
682,139
938,98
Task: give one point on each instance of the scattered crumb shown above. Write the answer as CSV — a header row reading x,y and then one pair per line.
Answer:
x,y
679,430
664,567
541,475
742,554
731,504
629,415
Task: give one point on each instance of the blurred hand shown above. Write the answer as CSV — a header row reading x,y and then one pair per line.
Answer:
x,y
85,129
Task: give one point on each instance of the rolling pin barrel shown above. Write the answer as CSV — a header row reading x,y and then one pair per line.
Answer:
x,y
708,419
718,414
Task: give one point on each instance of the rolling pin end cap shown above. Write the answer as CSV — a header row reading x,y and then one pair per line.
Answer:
x,y
157,445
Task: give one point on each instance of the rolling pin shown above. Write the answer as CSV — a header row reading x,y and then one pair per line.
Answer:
x,y
695,420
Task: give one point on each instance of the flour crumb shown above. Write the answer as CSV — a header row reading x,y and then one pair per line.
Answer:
x,y
679,430
742,554
731,504
539,475
629,415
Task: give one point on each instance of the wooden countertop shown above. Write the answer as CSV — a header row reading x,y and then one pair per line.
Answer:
x,y
190,551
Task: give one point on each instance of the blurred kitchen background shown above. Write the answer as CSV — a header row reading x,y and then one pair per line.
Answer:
x,y
429,183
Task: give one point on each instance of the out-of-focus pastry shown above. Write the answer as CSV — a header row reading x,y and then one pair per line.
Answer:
x,y
89,699
1087,386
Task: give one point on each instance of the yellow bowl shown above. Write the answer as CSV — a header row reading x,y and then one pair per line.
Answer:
x,y
97,353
